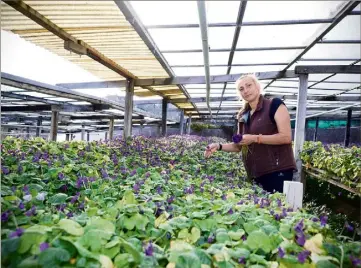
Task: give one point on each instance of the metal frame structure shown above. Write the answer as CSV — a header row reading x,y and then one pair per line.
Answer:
x,y
343,98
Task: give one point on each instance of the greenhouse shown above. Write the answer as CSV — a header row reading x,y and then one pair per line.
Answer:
x,y
180,134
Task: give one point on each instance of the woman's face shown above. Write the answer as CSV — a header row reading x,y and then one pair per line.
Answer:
x,y
248,89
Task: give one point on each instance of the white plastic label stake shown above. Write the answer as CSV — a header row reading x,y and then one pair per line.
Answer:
x,y
294,193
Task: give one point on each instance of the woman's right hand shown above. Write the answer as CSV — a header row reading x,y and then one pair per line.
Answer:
x,y
210,149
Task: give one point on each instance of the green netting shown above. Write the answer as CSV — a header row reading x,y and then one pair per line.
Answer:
x,y
329,123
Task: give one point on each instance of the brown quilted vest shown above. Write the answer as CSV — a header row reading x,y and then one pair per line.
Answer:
x,y
262,159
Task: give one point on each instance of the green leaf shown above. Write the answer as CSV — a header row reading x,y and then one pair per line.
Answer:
x,y
205,225
195,234
326,264
236,235
71,227
81,262
180,222
250,227
203,256
105,261
11,198
129,224
29,262
239,253
129,198
132,250
104,225
285,230
258,259
111,252
224,264
58,199
140,221
53,256
259,240
183,234
123,260
188,260
222,237
9,246
269,229
29,239
95,239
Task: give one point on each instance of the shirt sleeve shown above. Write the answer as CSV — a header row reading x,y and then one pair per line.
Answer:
x,y
276,102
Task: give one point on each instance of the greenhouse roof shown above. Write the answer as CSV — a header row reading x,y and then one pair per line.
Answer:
x,y
153,40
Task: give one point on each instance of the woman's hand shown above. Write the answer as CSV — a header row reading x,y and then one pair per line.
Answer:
x,y
210,149
248,139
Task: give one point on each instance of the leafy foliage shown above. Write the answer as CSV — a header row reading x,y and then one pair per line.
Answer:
x,y
150,203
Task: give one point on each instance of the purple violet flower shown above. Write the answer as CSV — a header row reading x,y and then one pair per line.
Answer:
x,y
356,262
279,202
43,246
60,175
5,216
210,239
136,188
19,232
242,260
230,211
349,227
281,252
21,205
323,219
5,170
149,249
301,239
237,138
302,256
299,227
31,212
244,237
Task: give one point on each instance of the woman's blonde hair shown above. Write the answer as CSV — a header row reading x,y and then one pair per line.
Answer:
x,y
245,105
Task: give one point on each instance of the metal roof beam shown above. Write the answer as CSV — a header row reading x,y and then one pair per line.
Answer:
x,y
31,85
345,10
235,49
29,98
63,108
324,69
214,78
253,23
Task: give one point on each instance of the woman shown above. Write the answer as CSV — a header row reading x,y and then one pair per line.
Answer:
x,y
266,128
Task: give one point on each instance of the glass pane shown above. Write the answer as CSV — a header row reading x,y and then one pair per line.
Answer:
x,y
276,35
7,88
177,39
330,51
60,99
220,37
320,63
347,29
184,58
166,12
273,56
198,71
222,11
346,77
290,10
335,86
36,94
358,8
256,69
